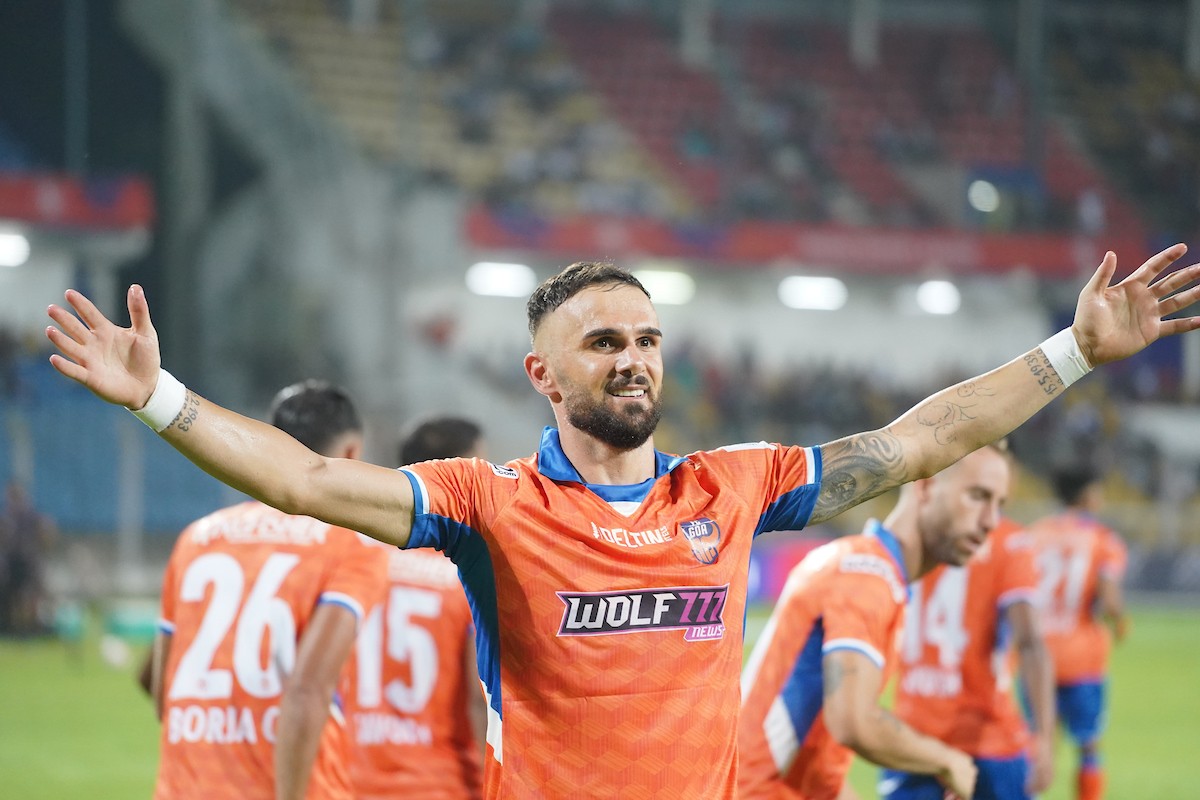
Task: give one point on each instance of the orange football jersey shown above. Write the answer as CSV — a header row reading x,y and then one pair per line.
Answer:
x,y
406,690
1073,552
845,595
239,590
955,679
609,618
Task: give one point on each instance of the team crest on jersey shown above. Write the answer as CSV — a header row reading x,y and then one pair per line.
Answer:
x,y
698,610
703,535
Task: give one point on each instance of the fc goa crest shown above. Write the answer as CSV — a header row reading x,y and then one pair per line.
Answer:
x,y
703,535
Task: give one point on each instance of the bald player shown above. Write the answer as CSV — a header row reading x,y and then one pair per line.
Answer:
x,y
811,688
607,580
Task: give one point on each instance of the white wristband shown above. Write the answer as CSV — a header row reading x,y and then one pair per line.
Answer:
x,y
165,404
1063,353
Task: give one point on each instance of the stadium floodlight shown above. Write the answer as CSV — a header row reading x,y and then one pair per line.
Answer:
x,y
501,280
938,297
14,249
667,287
983,196
813,293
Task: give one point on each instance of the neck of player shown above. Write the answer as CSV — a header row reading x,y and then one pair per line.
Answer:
x,y
902,523
597,462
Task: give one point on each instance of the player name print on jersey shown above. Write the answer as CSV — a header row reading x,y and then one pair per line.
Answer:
x,y
698,610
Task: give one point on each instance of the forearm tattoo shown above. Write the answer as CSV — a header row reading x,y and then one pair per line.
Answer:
x,y
944,416
1043,370
857,468
188,414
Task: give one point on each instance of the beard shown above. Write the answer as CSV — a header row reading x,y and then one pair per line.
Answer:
x,y
627,429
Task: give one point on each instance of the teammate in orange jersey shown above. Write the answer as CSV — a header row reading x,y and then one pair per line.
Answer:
x,y
259,611
1082,563
416,714
607,580
955,678
810,690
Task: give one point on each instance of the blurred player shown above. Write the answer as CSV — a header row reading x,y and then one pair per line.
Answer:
x,y
416,713
955,679
599,533
810,690
259,612
1081,563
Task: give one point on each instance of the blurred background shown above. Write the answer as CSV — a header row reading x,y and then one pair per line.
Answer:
x,y
839,206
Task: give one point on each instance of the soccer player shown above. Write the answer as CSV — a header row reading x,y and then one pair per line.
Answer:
x,y
955,678
607,580
1082,563
810,690
259,611
416,712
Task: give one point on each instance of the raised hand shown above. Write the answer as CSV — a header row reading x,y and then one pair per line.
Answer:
x,y
119,365
1113,322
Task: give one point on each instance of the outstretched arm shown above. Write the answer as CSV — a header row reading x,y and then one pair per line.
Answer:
x,y
1111,323
121,366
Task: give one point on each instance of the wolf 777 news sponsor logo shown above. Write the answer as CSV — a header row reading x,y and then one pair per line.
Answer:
x,y
698,610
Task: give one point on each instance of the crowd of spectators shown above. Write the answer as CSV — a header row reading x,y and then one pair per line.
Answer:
x,y
1141,115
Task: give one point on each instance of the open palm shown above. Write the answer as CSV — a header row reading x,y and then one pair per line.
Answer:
x,y
1113,322
119,365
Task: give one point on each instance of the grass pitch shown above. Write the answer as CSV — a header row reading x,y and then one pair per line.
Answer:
x,y
71,726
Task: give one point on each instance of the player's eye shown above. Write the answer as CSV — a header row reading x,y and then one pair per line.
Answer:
x,y
645,341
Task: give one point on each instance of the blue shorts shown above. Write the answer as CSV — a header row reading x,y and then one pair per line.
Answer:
x,y
998,780
1080,709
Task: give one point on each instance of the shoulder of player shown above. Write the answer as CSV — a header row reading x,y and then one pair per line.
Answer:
x,y
848,566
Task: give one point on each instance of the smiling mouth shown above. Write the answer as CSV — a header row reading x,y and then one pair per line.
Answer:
x,y
628,392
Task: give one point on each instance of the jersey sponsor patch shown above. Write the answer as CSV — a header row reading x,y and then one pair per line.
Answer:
x,y
698,610
632,539
503,472
703,535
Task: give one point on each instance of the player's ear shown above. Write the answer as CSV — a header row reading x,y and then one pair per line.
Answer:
x,y
538,370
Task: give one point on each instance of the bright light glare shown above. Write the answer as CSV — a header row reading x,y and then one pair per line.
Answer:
x,y
983,196
667,287
815,294
14,249
938,297
501,280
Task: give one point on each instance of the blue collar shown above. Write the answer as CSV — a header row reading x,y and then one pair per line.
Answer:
x,y
554,464
875,528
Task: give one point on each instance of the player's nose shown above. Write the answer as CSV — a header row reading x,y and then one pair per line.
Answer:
x,y
630,361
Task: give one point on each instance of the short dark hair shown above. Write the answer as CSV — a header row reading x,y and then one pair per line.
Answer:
x,y
572,280
441,437
315,413
1071,482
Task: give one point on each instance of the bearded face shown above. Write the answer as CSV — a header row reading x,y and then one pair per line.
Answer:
x,y
625,425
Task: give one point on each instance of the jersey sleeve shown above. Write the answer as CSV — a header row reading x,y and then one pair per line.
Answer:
x,y
1019,576
784,481
358,579
857,615
454,497
1113,556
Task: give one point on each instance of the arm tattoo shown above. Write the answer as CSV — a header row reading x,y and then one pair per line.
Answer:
x,y
942,417
1043,370
832,673
857,468
187,415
